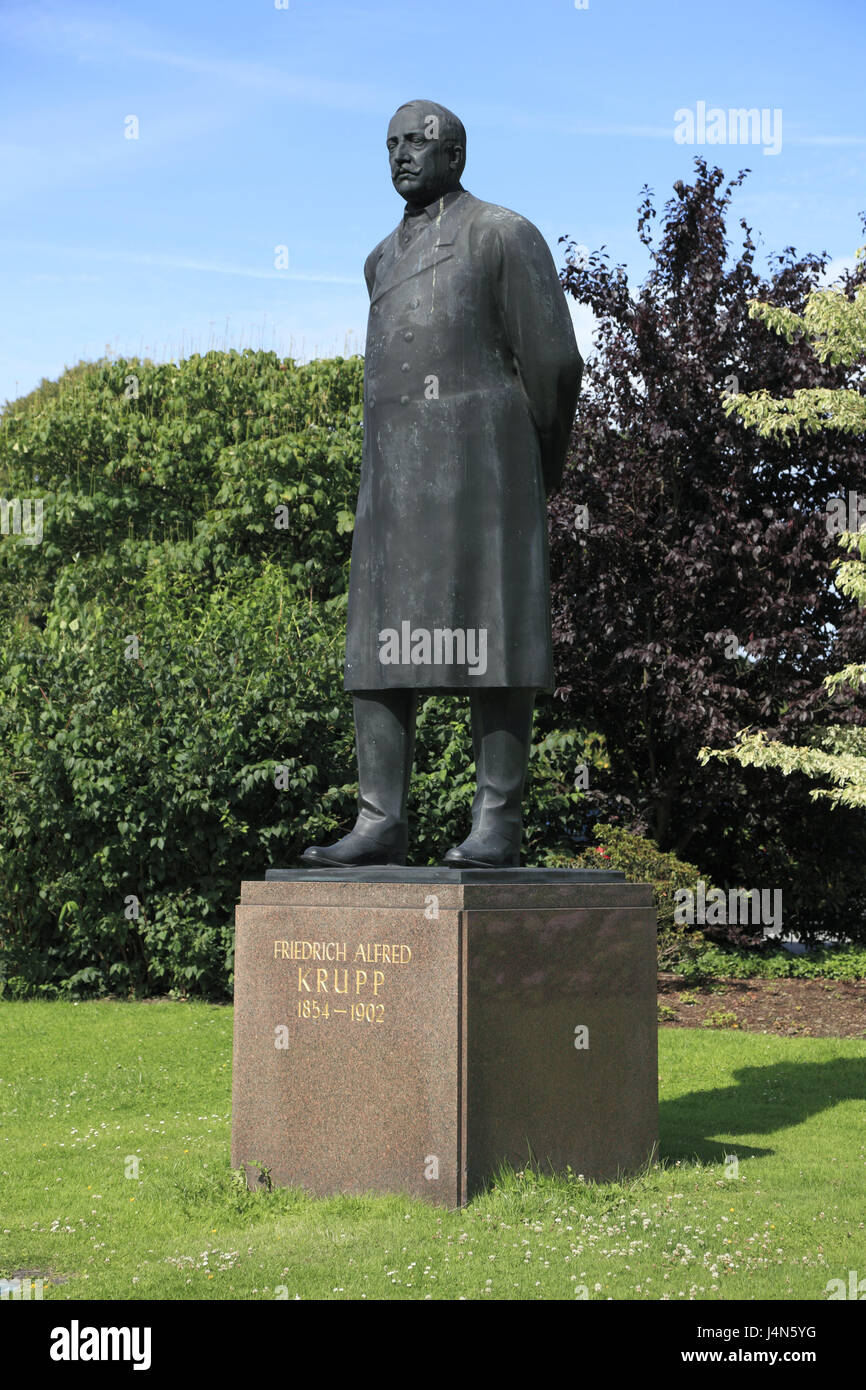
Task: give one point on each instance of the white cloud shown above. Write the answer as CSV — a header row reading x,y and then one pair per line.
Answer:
x,y
56,255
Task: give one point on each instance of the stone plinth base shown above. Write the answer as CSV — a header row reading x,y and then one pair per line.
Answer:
x,y
411,1030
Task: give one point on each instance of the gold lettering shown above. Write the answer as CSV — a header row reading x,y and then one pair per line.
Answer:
x,y
345,989
321,978
359,981
303,982
311,950
366,952
378,979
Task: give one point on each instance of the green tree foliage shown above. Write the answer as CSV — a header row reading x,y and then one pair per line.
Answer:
x,y
196,456
835,328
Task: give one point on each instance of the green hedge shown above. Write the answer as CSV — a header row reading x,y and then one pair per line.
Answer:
x,y
168,771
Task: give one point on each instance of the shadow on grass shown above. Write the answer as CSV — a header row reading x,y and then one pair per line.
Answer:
x,y
764,1100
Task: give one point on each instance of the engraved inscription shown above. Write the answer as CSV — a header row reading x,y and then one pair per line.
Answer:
x,y
351,991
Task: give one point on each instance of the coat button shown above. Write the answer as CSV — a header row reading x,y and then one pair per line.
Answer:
x,y
414,303
404,400
374,309
372,402
408,335
405,367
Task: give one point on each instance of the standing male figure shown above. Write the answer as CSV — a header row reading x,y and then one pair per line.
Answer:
x,y
471,381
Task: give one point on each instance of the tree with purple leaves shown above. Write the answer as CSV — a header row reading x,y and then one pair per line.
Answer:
x,y
690,557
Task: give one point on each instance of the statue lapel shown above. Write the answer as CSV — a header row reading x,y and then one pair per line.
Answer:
x,y
433,244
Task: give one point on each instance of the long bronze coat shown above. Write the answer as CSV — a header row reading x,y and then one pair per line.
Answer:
x,y
471,381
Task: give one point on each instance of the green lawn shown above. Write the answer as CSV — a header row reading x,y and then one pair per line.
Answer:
x,y
86,1089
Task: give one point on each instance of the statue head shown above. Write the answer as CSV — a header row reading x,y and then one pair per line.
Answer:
x,y
427,151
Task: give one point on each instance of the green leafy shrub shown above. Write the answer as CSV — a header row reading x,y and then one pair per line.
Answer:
x,y
833,963
643,862
154,759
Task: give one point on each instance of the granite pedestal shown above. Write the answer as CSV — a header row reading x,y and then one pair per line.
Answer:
x,y
409,1030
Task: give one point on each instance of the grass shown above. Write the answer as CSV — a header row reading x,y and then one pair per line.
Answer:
x,y
115,1179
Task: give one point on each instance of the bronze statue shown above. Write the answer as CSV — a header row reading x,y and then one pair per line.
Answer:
x,y
472,375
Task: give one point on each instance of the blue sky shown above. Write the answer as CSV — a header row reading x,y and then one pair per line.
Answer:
x,y
261,127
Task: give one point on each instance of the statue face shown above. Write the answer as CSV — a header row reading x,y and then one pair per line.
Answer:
x,y
423,165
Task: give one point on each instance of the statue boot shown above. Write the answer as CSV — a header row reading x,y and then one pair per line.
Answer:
x,y
384,743
501,733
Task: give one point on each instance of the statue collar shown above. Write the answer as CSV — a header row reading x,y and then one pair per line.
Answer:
x,y
434,209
